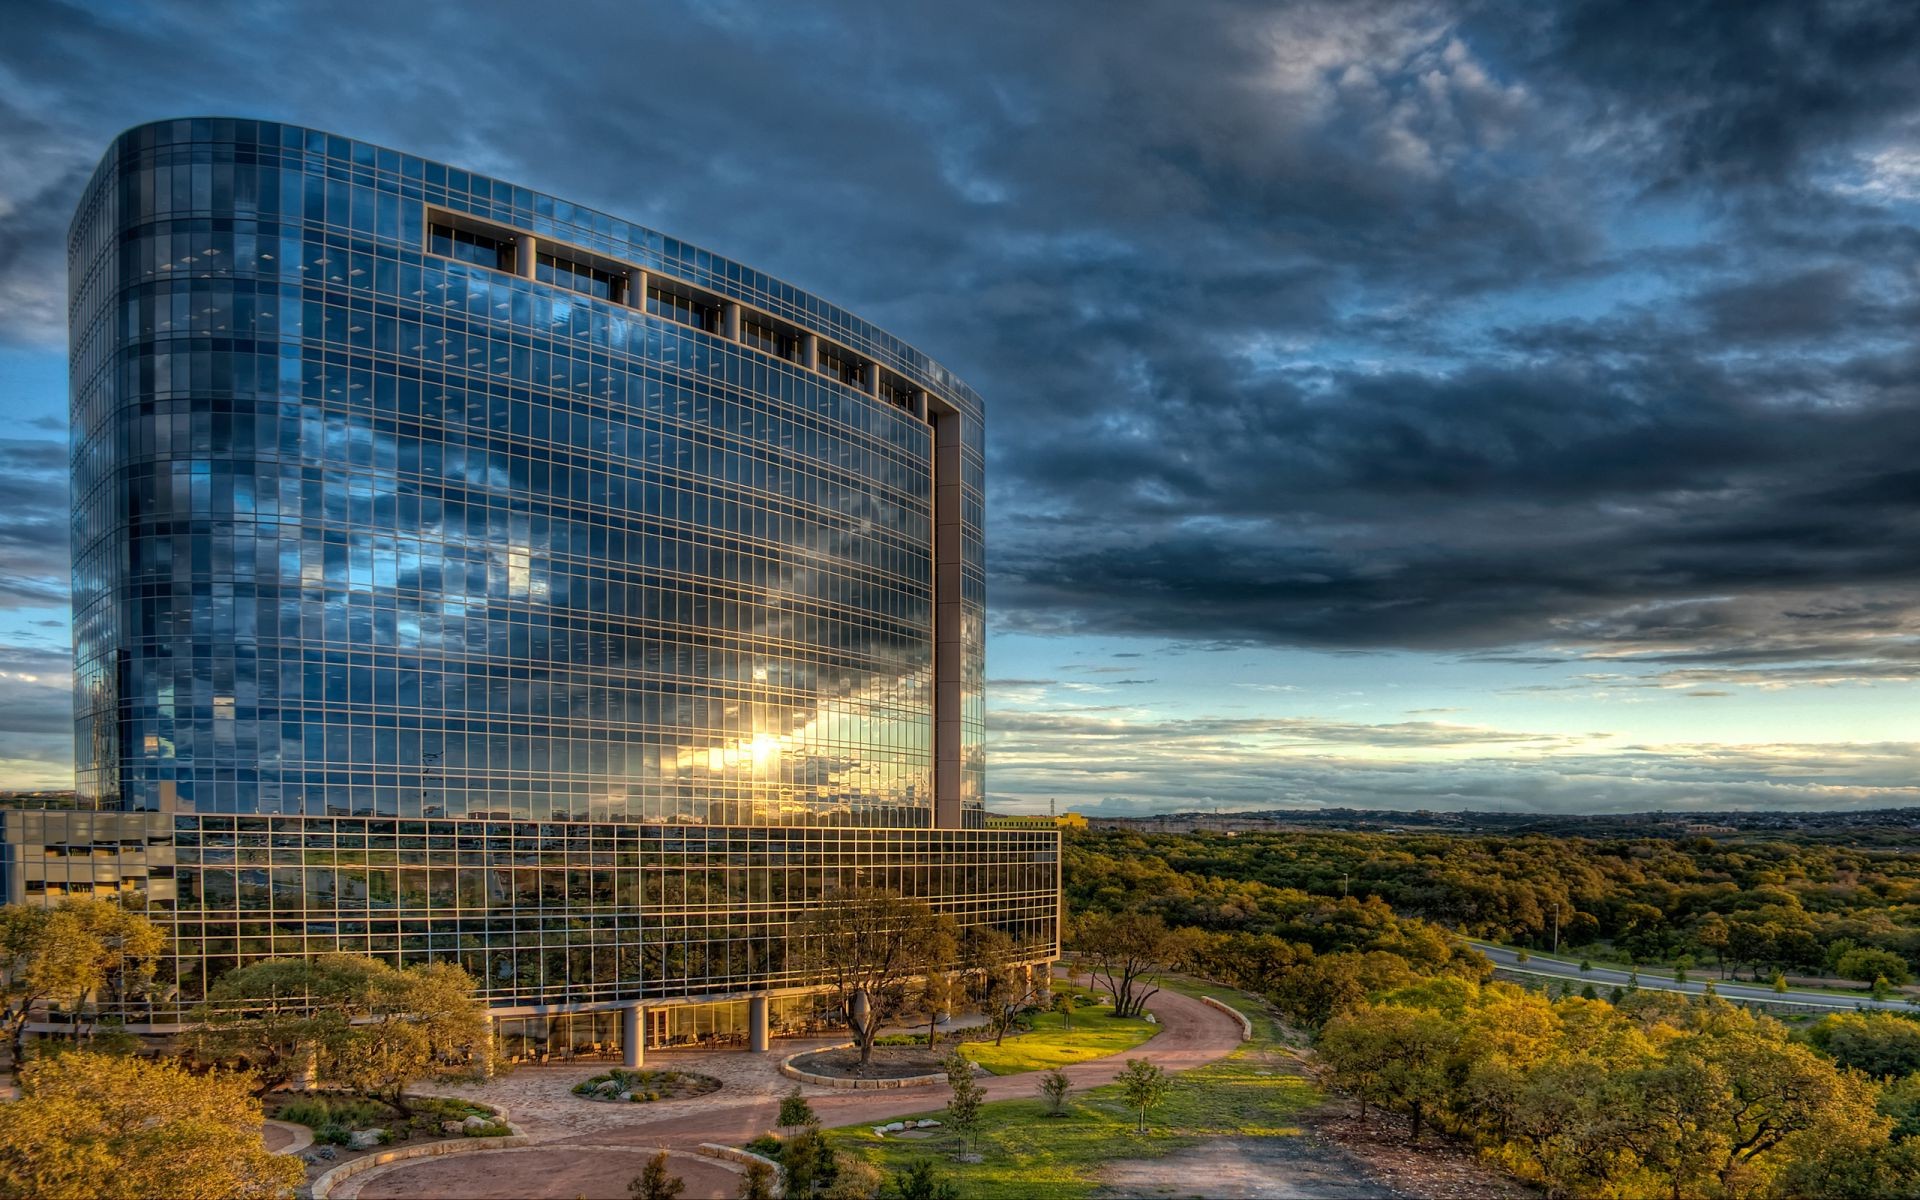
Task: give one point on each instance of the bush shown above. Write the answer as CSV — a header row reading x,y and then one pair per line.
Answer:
x,y
352,1112
332,1135
766,1146
309,1111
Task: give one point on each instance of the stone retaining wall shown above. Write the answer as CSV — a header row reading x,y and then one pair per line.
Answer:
x,y
1246,1023
324,1185
834,1081
746,1158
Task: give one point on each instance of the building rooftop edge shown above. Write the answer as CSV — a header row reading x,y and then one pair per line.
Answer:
x,y
933,371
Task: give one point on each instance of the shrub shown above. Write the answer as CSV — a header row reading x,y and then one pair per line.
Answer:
x,y
332,1135
766,1146
310,1111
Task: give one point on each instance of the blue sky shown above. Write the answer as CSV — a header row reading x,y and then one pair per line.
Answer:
x,y
1402,404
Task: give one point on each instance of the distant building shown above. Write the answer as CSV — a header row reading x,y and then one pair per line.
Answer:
x,y
461,573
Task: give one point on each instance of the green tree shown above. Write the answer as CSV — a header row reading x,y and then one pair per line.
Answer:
x,y
274,1016
867,944
655,1181
963,1106
1003,987
1128,952
89,1125
361,1022
1063,1005
1867,964
919,1181
1884,1045
68,953
412,1023
808,1162
1055,1085
757,1183
1143,1085
1393,1056
795,1111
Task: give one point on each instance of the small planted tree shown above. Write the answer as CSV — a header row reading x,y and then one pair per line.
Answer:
x,y
1144,1086
757,1183
655,1182
1054,1085
1063,1005
920,1181
795,1111
963,1108
808,1162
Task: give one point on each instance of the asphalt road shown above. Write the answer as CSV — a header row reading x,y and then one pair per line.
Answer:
x,y
1653,979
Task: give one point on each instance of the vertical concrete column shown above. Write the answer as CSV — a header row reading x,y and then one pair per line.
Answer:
x,y
757,1024
730,320
871,377
920,403
949,644
525,247
310,1068
633,1035
637,289
810,352
486,1048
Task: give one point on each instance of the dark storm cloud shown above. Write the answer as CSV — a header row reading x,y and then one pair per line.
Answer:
x,y
1738,92
1544,329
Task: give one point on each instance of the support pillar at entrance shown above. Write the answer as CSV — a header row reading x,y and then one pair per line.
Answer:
x,y
633,1045
757,1024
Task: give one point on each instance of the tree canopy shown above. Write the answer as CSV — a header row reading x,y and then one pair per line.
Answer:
x,y
94,1125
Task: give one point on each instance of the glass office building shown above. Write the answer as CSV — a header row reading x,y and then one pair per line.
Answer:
x,y
463,572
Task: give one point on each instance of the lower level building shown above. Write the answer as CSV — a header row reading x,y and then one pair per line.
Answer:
x,y
587,938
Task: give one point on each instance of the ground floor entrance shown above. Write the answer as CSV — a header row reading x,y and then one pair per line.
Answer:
x,y
603,1035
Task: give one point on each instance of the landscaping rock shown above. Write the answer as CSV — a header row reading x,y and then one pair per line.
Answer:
x,y
452,1127
879,1131
473,1122
364,1139
895,1126
927,1124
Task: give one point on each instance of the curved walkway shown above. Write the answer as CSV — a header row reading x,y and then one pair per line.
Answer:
x,y
580,1140
1191,1035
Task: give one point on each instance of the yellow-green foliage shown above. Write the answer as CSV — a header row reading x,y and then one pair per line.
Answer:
x,y
1655,1096
92,1125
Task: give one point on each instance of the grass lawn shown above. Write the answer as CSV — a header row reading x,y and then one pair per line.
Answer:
x,y
1028,1154
1095,1034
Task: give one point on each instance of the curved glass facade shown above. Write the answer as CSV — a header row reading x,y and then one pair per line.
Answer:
x,y
362,529
406,498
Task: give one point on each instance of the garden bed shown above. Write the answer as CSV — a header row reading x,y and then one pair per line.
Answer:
x,y
335,1117
624,1085
889,1062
